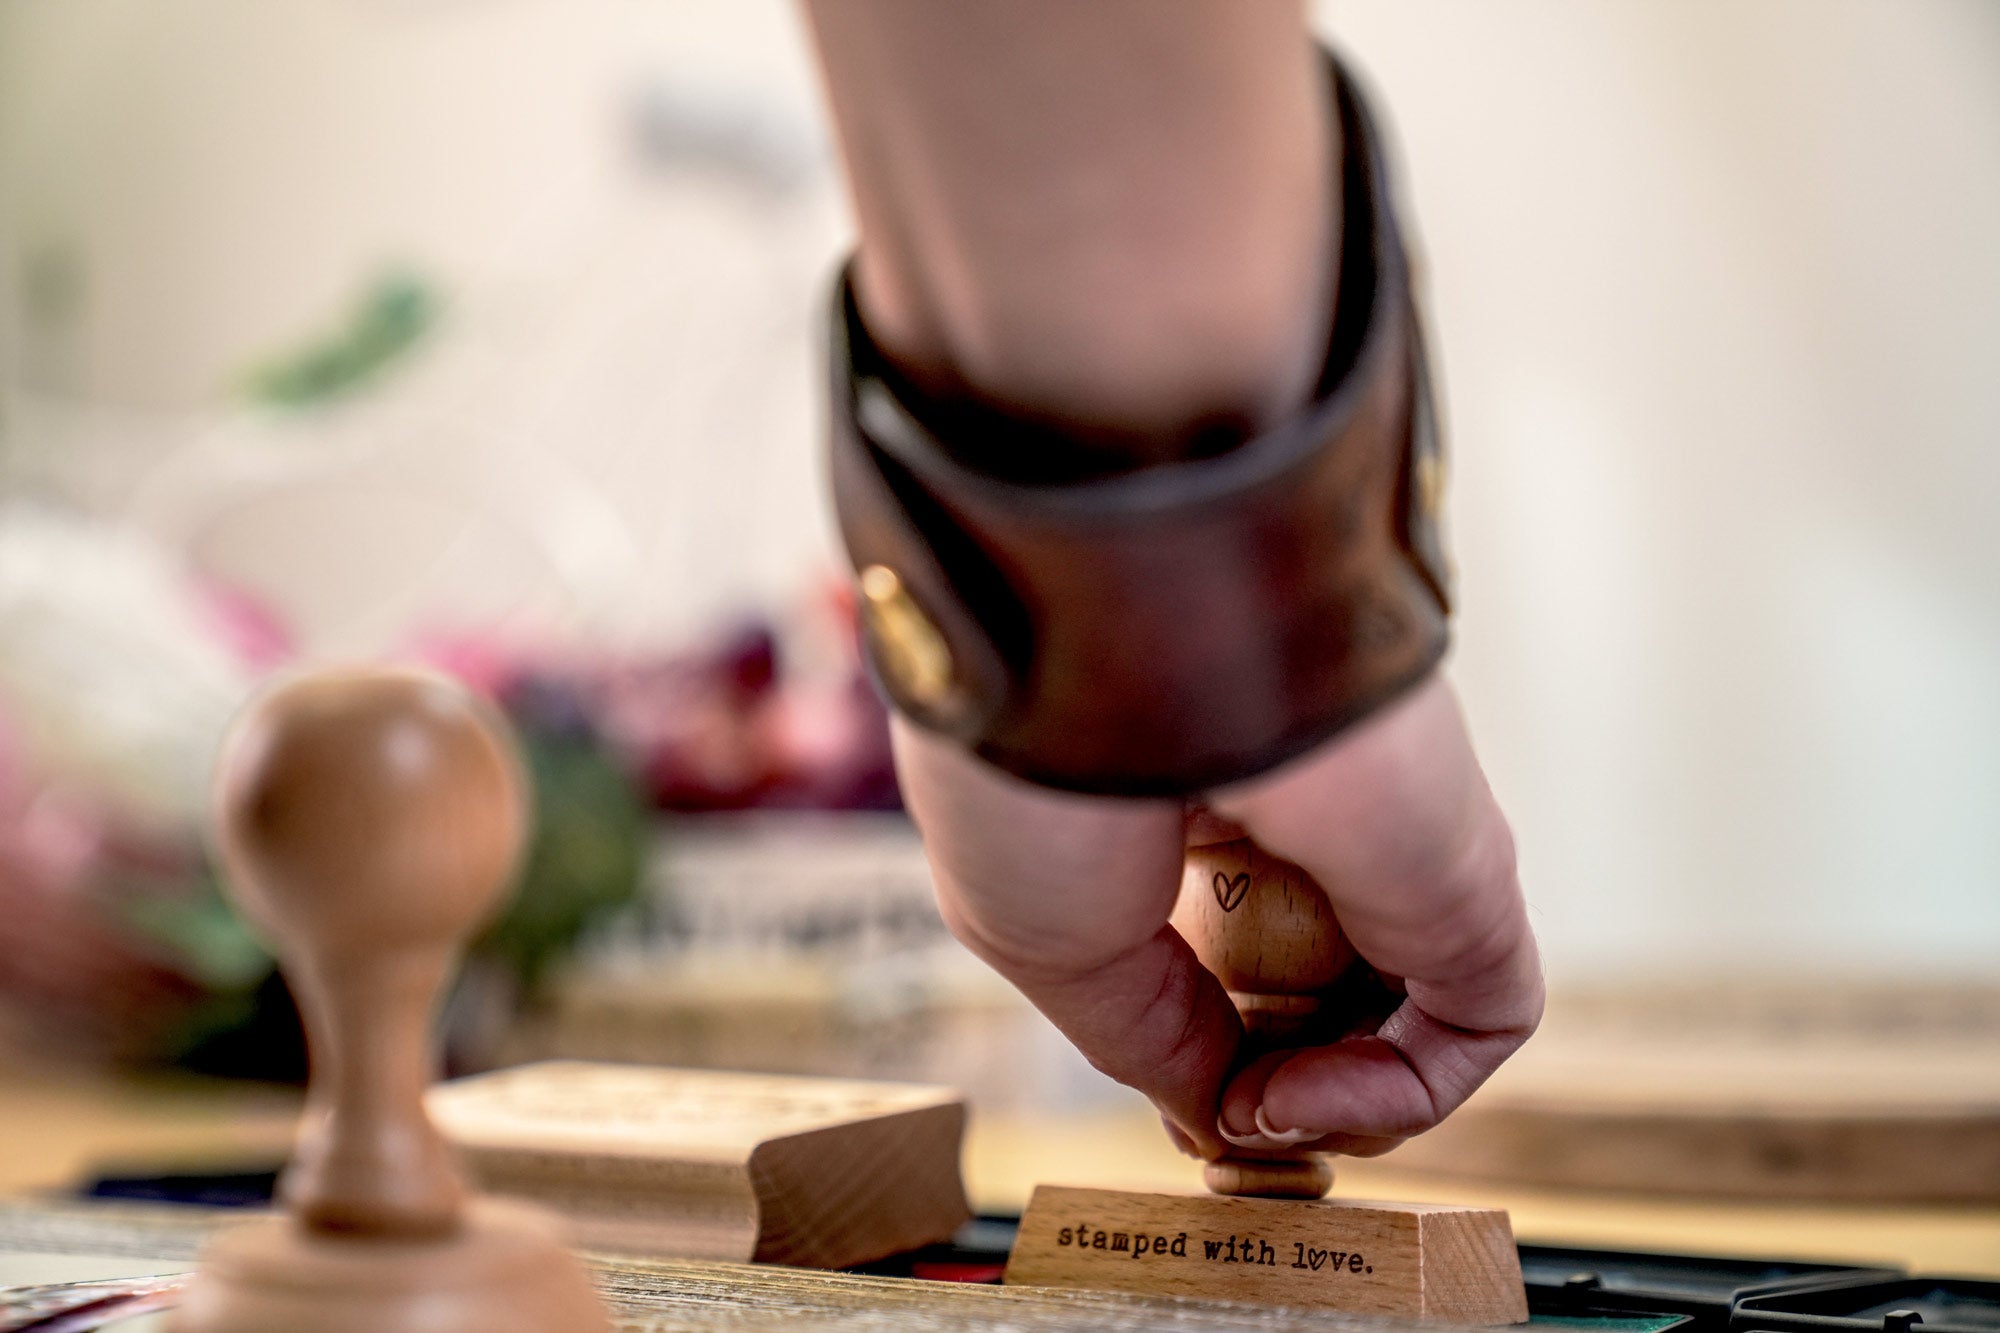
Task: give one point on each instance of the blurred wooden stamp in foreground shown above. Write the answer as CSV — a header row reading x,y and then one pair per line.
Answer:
x,y
815,1172
368,820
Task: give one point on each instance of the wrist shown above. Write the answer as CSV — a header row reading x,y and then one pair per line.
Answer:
x,y
1090,342
1107,215
1169,628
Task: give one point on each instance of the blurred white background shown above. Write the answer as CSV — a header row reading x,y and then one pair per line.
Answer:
x,y
1716,295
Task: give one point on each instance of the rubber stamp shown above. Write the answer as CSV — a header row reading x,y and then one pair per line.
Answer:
x,y
1264,1234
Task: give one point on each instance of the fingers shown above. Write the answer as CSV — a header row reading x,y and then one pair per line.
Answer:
x,y
1068,897
1152,1019
1362,1095
1205,828
1397,824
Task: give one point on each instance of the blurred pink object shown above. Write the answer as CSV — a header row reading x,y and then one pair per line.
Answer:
x,y
727,727
78,981
724,725
41,842
483,664
246,625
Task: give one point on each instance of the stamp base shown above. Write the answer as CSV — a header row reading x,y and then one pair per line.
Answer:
x,y
1435,1262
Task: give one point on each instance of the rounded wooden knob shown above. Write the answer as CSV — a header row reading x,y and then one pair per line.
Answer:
x,y
368,821
365,809
1264,927
1260,923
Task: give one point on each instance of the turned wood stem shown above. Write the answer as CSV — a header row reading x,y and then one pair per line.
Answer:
x,y
368,1159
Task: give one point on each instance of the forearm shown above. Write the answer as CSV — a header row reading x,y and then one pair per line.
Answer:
x,y
1111,215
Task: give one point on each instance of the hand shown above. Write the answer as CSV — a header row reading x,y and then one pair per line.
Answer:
x,y
1068,896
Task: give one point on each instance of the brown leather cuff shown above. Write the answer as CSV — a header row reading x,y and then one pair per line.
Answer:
x,y
1168,629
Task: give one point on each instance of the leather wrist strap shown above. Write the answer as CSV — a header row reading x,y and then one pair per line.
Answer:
x,y
1172,628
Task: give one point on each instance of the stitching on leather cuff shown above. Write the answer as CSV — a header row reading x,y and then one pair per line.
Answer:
x,y
1175,627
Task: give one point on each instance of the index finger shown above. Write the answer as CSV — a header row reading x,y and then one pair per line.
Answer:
x,y
1068,897
1398,826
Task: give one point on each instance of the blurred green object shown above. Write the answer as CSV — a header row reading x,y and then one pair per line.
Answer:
x,y
212,947
585,859
389,320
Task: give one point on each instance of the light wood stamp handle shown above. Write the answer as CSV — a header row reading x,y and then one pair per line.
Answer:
x,y
1265,929
368,821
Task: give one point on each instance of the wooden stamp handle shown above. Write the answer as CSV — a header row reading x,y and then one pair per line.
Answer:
x,y
1265,929
369,820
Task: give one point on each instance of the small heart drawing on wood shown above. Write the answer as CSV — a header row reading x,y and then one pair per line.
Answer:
x,y
1229,892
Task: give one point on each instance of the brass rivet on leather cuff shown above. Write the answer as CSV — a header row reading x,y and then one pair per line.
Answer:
x,y
1430,482
910,652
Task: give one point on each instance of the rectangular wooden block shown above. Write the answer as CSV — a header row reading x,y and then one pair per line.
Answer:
x,y
1421,1261
701,1164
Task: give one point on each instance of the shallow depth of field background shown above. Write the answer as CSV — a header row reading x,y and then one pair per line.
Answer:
x,y
1715,292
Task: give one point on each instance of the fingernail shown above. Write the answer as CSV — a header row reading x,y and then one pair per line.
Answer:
x,y
1283,1137
1240,1140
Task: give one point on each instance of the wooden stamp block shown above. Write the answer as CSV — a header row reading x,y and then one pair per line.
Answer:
x,y
1420,1261
819,1173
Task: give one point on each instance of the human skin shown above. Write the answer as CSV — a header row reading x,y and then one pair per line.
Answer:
x,y
1119,216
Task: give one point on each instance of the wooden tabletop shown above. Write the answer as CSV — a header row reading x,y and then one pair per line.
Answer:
x,y
59,1127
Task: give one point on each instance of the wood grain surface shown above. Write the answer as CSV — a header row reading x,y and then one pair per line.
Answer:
x,y
668,1296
